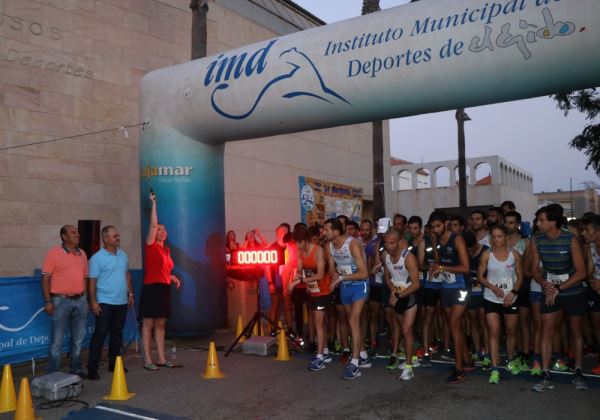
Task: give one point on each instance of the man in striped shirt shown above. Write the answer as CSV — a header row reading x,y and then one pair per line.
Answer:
x,y
560,274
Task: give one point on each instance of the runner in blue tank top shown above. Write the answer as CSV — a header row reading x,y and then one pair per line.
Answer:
x,y
561,276
348,270
452,265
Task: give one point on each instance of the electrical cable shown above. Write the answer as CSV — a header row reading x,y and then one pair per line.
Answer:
x,y
68,401
122,127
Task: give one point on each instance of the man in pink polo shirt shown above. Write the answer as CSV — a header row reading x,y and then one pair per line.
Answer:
x,y
64,284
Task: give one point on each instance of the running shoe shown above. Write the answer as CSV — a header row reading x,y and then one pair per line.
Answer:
x,y
327,358
420,353
494,377
426,362
524,365
447,354
407,374
316,364
415,361
414,364
474,356
456,377
351,371
392,363
579,381
345,357
545,384
536,368
596,370
364,363
560,366
337,348
513,367
402,355
469,367
486,363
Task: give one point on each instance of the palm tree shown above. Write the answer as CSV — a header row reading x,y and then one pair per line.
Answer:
x,y
371,6
199,28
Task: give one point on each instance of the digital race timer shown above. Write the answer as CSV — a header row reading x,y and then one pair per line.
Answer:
x,y
255,256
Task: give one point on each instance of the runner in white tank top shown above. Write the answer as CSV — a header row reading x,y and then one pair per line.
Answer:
x,y
401,272
501,274
348,270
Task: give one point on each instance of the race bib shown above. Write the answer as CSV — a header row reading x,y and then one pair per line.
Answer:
x,y
505,284
313,287
400,286
475,285
436,279
556,279
379,277
344,270
448,277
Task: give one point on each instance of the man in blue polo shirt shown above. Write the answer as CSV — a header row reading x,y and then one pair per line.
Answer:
x,y
110,293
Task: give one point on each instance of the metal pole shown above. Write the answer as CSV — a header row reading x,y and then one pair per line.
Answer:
x,y
571,197
461,117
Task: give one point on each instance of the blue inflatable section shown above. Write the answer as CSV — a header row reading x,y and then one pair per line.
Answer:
x,y
25,327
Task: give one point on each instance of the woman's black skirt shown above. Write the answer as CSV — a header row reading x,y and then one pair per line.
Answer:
x,y
155,301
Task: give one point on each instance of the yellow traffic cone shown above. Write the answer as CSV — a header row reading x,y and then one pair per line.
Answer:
x,y
283,353
255,329
8,399
240,329
24,405
119,391
212,364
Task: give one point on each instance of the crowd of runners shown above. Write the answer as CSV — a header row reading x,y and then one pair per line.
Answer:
x,y
479,292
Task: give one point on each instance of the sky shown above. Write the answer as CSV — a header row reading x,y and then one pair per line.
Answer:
x,y
533,134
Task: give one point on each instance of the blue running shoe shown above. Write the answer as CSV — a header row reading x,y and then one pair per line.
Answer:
x,y
316,364
351,371
364,363
327,358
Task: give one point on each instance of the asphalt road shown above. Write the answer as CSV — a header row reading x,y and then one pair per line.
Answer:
x,y
262,388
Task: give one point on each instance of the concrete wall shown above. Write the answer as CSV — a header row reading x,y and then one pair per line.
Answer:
x,y
72,67
508,182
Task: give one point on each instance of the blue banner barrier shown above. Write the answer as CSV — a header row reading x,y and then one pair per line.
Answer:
x,y
25,327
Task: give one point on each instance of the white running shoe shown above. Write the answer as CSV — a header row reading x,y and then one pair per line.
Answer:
x,y
407,374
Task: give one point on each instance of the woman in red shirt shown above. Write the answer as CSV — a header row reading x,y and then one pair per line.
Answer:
x,y
155,302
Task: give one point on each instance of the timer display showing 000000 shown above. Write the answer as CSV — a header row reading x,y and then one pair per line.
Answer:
x,y
267,256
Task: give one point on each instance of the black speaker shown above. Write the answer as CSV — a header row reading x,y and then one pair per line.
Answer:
x,y
89,236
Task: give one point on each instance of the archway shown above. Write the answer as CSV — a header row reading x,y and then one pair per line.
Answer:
x,y
419,58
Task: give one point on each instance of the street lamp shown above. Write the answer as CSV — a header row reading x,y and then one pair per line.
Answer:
x,y
461,116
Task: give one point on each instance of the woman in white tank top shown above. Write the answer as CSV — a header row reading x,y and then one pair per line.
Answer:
x,y
500,273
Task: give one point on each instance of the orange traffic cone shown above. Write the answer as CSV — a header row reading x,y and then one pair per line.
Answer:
x,y
240,329
283,353
119,391
24,405
212,364
8,399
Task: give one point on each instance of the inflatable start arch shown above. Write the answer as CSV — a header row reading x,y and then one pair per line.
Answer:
x,y
419,58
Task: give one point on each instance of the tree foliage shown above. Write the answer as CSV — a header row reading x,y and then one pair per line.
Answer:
x,y
587,102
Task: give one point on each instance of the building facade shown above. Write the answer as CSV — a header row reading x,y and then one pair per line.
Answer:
x,y
575,203
420,188
73,68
